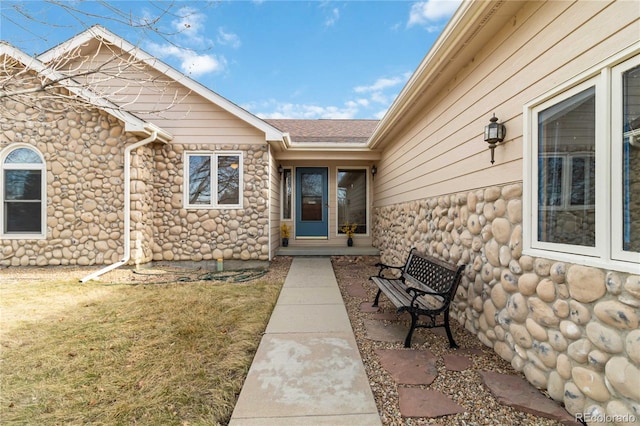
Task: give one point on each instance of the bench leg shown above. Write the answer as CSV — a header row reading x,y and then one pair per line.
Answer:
x,y
414,321
375,302
452,343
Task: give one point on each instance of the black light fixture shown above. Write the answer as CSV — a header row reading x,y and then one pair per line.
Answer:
x,y
280,169
374,171
493,134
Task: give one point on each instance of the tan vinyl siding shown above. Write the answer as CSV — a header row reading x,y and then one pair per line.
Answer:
x,y
442,150
274,205
189,117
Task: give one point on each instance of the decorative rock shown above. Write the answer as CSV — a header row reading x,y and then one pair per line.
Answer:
x,y
546,290
557,272
585,284
501,229
617,315
632,285
499,296
542,267
555,386
604,338
597,359
563,366
542,313
527,284
574,400
578,313
517,307
579,350
561,308
632,345
557,340
614,283
590,383
536,377
546,354
570,330
536,330
624,377
520,335
509,281
503,349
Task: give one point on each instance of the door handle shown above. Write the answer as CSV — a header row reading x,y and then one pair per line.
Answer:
x,y
326,205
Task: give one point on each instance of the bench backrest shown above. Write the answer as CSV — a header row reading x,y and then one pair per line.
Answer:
x,y
438,275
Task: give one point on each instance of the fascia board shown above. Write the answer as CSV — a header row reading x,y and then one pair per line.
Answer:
x,y
271,133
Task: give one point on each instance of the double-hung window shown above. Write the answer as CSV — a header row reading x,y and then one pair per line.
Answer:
x,y
582,178
213,180
23,191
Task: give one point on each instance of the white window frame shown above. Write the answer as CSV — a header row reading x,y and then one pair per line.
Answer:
x,y
214,180
607,253
283,197
43,191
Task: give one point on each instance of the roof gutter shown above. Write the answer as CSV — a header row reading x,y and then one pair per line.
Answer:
x,y
156,135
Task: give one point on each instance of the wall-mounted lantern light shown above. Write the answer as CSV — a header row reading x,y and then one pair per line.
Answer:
x,y
280,169
374,171
493,134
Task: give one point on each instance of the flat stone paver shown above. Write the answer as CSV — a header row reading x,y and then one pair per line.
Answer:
x,y
417,402
394,332
454,362
357,290
409,367
516,392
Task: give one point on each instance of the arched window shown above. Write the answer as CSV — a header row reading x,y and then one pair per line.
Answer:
x,y
23,193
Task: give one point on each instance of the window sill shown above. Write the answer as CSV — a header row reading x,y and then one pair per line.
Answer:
x,y
596,262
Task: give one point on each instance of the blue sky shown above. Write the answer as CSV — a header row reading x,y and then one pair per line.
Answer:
x,y
277,59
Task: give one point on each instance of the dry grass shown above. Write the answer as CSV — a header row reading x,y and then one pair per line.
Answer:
x,y
100,353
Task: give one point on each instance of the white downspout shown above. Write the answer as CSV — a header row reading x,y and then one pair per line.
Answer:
x,y
127,207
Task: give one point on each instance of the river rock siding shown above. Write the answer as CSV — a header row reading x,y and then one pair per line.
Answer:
x,y
571,329
84,155
208,234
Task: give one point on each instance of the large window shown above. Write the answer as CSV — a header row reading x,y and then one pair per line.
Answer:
x,y
23,193
213,180
352,199
582,186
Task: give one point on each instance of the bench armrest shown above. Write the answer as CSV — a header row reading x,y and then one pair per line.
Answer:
x,y
420,292
383,267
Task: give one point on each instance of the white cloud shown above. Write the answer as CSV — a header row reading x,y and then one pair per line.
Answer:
x,y
370,101
380,84
228,39
191,62
333,17
429,13
190,24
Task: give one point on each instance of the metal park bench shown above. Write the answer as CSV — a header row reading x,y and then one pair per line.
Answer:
x,y
426,286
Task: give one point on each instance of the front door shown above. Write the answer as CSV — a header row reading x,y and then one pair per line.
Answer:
x,y
312,202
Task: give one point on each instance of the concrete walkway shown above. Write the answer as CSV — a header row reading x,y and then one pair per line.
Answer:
x,y
307,370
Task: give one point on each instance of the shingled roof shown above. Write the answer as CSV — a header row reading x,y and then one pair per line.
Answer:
x,y
357,131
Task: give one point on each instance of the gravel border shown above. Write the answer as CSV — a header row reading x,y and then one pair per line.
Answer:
x,y
465,387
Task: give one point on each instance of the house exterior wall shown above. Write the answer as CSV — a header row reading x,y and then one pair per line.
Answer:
x,y
207,234
571,329
334,237
83,153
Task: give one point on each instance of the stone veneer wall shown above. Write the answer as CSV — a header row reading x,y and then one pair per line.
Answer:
x,y
209,234
84,160
571,329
